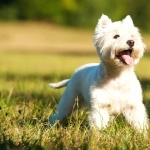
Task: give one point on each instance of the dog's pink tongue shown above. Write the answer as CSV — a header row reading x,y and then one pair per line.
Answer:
x,y
128,60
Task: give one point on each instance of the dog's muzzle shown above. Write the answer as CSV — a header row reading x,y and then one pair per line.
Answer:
x,y
125,56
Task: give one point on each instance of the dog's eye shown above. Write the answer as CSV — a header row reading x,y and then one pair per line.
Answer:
x,y
116,36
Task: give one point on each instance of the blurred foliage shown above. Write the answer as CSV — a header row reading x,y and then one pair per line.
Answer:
x,y
83,13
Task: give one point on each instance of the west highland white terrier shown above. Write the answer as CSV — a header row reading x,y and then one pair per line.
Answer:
x,y
111,87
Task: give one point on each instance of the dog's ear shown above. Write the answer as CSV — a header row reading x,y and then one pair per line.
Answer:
x,y
104,21
128,21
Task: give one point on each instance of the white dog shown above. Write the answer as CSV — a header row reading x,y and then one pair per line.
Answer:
x,y
110,87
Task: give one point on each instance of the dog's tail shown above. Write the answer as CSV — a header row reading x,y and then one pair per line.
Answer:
x,y
59,84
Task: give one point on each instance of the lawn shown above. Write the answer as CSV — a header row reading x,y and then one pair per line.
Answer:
x,y
34,55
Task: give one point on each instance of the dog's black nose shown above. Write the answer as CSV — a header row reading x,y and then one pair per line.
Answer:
x,y
130,43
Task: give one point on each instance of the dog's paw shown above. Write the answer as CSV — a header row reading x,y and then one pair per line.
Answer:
x,y
53,119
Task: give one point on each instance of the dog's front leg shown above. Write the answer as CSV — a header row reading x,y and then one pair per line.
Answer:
x,y
98,118
137,116
99,113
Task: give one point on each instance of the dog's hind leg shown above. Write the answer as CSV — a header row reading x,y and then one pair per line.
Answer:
x,y
59,84
66,104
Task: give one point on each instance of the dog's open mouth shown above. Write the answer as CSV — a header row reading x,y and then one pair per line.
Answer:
x,y
125,56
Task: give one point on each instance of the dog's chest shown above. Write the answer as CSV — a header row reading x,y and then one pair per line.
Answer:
x,y
118,95
117,100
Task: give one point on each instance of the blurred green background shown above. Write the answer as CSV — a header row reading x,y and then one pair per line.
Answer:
x,y
81,13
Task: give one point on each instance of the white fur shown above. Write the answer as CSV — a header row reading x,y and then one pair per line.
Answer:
x,y
59,84
111,87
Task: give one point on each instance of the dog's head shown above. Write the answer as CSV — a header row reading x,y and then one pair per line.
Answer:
x,y
118,42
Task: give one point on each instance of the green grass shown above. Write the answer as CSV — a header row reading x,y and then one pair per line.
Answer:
x,y
26,101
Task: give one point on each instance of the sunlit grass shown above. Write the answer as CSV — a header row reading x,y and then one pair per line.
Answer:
x,y
26,101
41,63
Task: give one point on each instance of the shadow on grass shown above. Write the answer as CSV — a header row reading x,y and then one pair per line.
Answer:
x,y
146,93
9,145
45,77
145,84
